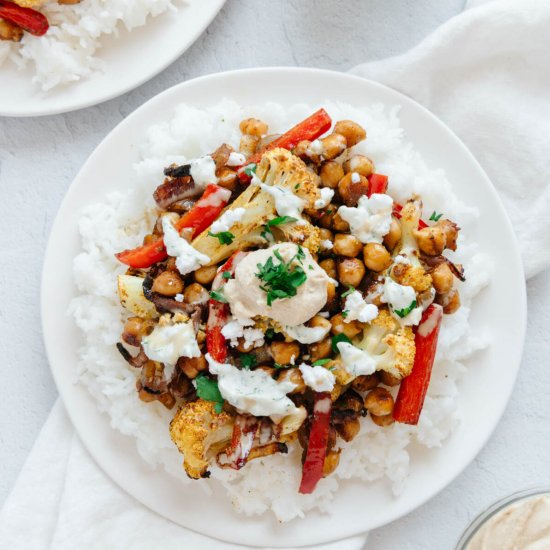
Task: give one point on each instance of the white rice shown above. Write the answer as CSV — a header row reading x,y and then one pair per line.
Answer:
x,y
120,223
67,52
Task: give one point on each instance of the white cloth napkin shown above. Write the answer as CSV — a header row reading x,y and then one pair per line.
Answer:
x,y
486,74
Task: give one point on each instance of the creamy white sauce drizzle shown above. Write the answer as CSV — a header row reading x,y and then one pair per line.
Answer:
x,y
318,378
227,220
307,335
187,258
355,361
203,171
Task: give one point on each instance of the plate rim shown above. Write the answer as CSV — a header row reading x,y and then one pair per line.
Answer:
x,y
398,97
135,83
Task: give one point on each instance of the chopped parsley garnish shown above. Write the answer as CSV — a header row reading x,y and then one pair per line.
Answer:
x,y
283,279
226,275
320,362
345,313
250,169
337,339
406,310
274,222
297,186
349,291
225,237
278,366
248,360
270,333
219,296
208,390
310,267
435,217
329,211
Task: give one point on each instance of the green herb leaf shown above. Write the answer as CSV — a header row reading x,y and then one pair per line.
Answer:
x,y
270,333
281,220
405,311
248,360
297,186
435,217
250,169
227,275
219,296
349,291
337,339
225,237
320,362
283,279
278,366
208,390
345,313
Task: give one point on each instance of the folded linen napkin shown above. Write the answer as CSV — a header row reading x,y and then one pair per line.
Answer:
x,y
485,73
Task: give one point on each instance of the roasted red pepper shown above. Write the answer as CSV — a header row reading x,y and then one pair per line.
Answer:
x,y
412,391
28,19
378,183
312,470
309,129
218,312
201,216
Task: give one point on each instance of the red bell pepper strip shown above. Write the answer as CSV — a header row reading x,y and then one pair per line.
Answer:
x,y
28,19
218,312
310,128
204,212
378,183
312,470
245,429
412,391
397,213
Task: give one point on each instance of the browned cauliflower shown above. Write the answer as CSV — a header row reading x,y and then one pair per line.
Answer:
x,y
200,434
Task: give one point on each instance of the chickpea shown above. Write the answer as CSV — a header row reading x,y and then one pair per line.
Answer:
x,y
191,366
270,371
349,428
376,257
379,401
148,239
383,421
295,376
331,295
339,326
331,462
206,274
350,401
243,346
353,132
168,283
351,271
195,294
227,179
393,236
283,352
338,224
450,301
360,164
442,278
171,265
253,127
320,350
328,217
331,173
352,187
326,234
135,329
329,265
248,145
347,245
366,382
333,145
10,31
320,322
431,240
389,379
451,230
201,337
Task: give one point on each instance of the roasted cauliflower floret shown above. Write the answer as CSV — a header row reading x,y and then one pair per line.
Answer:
x,y
390,344
412,275
200,434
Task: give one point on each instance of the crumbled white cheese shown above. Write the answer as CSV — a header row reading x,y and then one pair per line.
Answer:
x,y
286,202
227,220
326,196
168,343
317,378
370,220
307,335
326,244
355,177
253,391
203,171
178,297
400,297
220,197
187,258
239,328
236,159
354,360
357,309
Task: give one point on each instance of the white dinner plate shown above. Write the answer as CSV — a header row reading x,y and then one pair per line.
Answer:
x,y
129,59
357,507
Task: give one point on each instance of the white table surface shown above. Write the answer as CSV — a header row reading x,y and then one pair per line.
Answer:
x,y
39,157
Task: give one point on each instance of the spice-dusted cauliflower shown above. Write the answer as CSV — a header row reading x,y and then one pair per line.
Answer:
x,y
389,344
200,434
278,167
